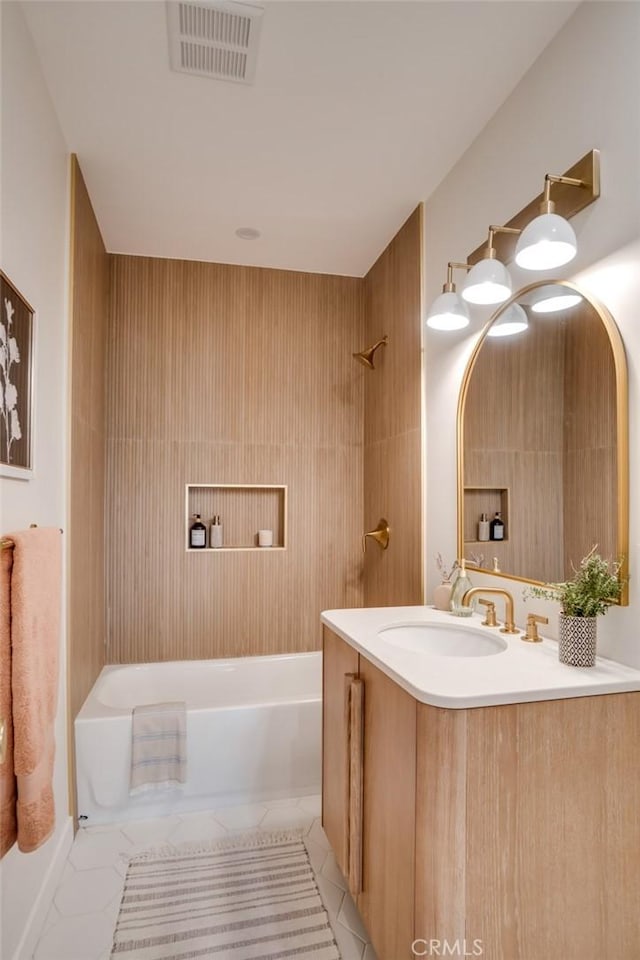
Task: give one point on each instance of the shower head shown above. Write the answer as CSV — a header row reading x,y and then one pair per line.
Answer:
x,y
365,357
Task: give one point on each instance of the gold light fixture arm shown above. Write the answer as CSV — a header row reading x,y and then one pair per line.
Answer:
x,y
547,205
449,286
490,252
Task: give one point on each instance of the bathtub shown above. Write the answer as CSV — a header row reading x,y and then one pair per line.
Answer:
x,y
254,730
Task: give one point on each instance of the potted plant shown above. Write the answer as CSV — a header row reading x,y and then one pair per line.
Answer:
x,y
595,586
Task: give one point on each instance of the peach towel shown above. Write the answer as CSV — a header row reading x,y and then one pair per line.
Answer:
x,y
35,636
8,827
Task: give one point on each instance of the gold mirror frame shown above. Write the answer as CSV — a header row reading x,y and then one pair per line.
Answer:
x,y
622,425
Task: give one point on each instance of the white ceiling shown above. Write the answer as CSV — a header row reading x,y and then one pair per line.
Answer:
x,y
359,109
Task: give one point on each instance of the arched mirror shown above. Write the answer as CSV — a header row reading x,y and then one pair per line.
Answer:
x,y
543,437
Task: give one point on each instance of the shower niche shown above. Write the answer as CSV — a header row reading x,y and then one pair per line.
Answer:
x,y
243,509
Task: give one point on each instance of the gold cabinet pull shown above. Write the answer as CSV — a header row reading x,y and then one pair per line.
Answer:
x,y
348,679
356,784
3,740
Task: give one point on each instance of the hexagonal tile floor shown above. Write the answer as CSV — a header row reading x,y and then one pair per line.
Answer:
x,y
84,910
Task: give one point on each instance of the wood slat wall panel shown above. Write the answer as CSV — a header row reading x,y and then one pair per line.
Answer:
x,y
392,490
590,450
230,375
89,314
540,420
392,416
513,438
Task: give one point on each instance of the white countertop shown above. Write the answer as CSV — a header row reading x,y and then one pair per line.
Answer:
x,y
524,672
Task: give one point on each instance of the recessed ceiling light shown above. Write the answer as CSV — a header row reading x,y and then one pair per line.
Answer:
x,y
248,233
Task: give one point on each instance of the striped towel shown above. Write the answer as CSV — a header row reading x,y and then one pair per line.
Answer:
x,y
158,746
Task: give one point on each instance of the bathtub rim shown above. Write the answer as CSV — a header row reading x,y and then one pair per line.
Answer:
x,y
93,709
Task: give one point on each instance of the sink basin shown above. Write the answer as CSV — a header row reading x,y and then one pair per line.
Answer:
x,y
442,640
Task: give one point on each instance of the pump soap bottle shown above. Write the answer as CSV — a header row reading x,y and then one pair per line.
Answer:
x,y
197,534
496,527
216,532
483,528
460,587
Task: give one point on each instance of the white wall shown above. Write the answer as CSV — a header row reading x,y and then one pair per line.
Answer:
x,y
581,93
33,254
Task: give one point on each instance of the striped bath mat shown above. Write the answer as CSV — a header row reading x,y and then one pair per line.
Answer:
x,y
252,899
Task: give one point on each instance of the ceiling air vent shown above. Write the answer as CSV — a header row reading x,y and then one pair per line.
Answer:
x,y
218,39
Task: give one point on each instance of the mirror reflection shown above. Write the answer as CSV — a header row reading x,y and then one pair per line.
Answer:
x,y
542,446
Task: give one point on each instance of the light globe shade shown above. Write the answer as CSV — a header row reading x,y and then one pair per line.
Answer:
x,y
562,301
448,312
513,320
546,242
487,282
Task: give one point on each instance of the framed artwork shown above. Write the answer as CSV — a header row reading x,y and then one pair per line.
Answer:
x,y
16,382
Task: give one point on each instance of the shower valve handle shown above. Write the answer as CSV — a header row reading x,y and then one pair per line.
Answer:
x,y
380,535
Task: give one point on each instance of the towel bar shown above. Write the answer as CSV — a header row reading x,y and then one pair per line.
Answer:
x,y
7,543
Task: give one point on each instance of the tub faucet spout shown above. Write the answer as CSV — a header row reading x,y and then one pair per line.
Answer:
x,y
509,625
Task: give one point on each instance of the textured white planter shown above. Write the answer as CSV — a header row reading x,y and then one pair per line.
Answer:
x,y
578,636
442,595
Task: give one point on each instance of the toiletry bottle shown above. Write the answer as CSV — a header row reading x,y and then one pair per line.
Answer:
x,y
460,587
483,528
216,532
197,534
497,527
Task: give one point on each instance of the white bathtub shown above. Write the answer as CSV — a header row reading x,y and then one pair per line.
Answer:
x,y
254,729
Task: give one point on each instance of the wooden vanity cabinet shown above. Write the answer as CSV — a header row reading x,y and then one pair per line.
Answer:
x,y
339,666
369,792
386,898
513,829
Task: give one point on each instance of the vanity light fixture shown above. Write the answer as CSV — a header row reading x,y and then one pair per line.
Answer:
x,y
556,303
537,237
488,280
513,320
549,240
449,311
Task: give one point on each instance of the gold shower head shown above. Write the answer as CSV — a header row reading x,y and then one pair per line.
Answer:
x,y
365,357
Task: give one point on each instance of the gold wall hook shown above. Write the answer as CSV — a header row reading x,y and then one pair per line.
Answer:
x,y
380,535
365,357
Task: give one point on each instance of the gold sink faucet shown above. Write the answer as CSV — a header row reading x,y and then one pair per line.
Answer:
x,y
509,625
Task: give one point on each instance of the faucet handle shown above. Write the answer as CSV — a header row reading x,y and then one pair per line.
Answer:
x,y
531,635
490,618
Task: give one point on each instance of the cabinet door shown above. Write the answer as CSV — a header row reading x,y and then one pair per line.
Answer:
x,y
386,901
339,665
